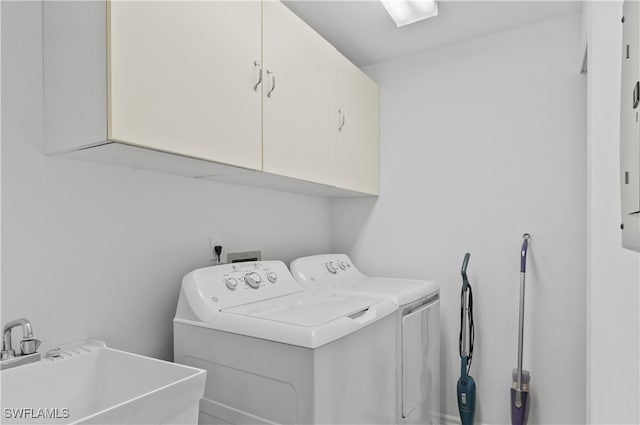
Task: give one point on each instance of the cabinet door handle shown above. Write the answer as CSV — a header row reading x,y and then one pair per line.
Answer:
x,y
273,82
341,119
257,65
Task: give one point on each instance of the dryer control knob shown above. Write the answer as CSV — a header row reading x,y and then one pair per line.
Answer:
x,y
232,283
332,267
343,265
272,277
253,279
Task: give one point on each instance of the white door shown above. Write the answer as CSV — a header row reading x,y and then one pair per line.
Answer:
x,y
299,98
182,78
357,131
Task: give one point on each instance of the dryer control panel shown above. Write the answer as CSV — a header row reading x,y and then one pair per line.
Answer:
x,y
211,289
327,269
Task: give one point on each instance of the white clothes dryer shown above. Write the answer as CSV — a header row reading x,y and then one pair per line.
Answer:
x,y
278,354
417,328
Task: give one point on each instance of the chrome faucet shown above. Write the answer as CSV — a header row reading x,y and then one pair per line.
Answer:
x,y
28,346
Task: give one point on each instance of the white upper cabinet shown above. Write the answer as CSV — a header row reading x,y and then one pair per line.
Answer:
x,y
240,91
182,78
298,99
357,131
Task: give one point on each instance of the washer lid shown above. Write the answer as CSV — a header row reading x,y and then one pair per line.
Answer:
x,y
309,308
400,291
307,319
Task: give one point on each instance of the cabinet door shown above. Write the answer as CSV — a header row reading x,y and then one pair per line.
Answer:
x,y
298,112
357,140
182,78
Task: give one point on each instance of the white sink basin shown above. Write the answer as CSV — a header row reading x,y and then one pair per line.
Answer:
x,y
90,383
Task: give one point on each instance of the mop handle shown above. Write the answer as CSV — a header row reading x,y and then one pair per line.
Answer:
x,y
464,353
523,267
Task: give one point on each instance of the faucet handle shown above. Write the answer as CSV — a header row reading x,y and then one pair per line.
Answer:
x,y
29,345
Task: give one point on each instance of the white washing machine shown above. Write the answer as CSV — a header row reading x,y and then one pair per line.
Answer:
x,y
417,328
276,353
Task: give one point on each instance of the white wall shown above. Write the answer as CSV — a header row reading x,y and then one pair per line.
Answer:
x,y
480,142
97,250
613,273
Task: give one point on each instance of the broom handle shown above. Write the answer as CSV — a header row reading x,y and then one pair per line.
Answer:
x,y
520,341
523,269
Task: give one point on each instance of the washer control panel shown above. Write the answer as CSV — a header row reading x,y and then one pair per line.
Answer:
x,y
252,279
253,275
328,269
211,289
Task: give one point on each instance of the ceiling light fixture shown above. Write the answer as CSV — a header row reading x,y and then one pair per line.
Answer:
x,y
405,12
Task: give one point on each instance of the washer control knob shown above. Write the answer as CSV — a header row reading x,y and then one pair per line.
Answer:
x,y
232,283
332,267
253,279
344,265
272,277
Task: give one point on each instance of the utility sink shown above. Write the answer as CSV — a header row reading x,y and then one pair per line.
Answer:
x,y
90,383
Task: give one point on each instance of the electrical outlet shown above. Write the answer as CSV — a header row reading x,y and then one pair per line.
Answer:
x,y
213,242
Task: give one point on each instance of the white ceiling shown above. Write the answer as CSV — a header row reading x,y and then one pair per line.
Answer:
x,y
363,31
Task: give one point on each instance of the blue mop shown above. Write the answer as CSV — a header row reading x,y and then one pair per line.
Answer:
x,y
466,385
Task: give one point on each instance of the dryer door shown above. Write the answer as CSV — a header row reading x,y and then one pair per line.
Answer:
x,y
420,353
